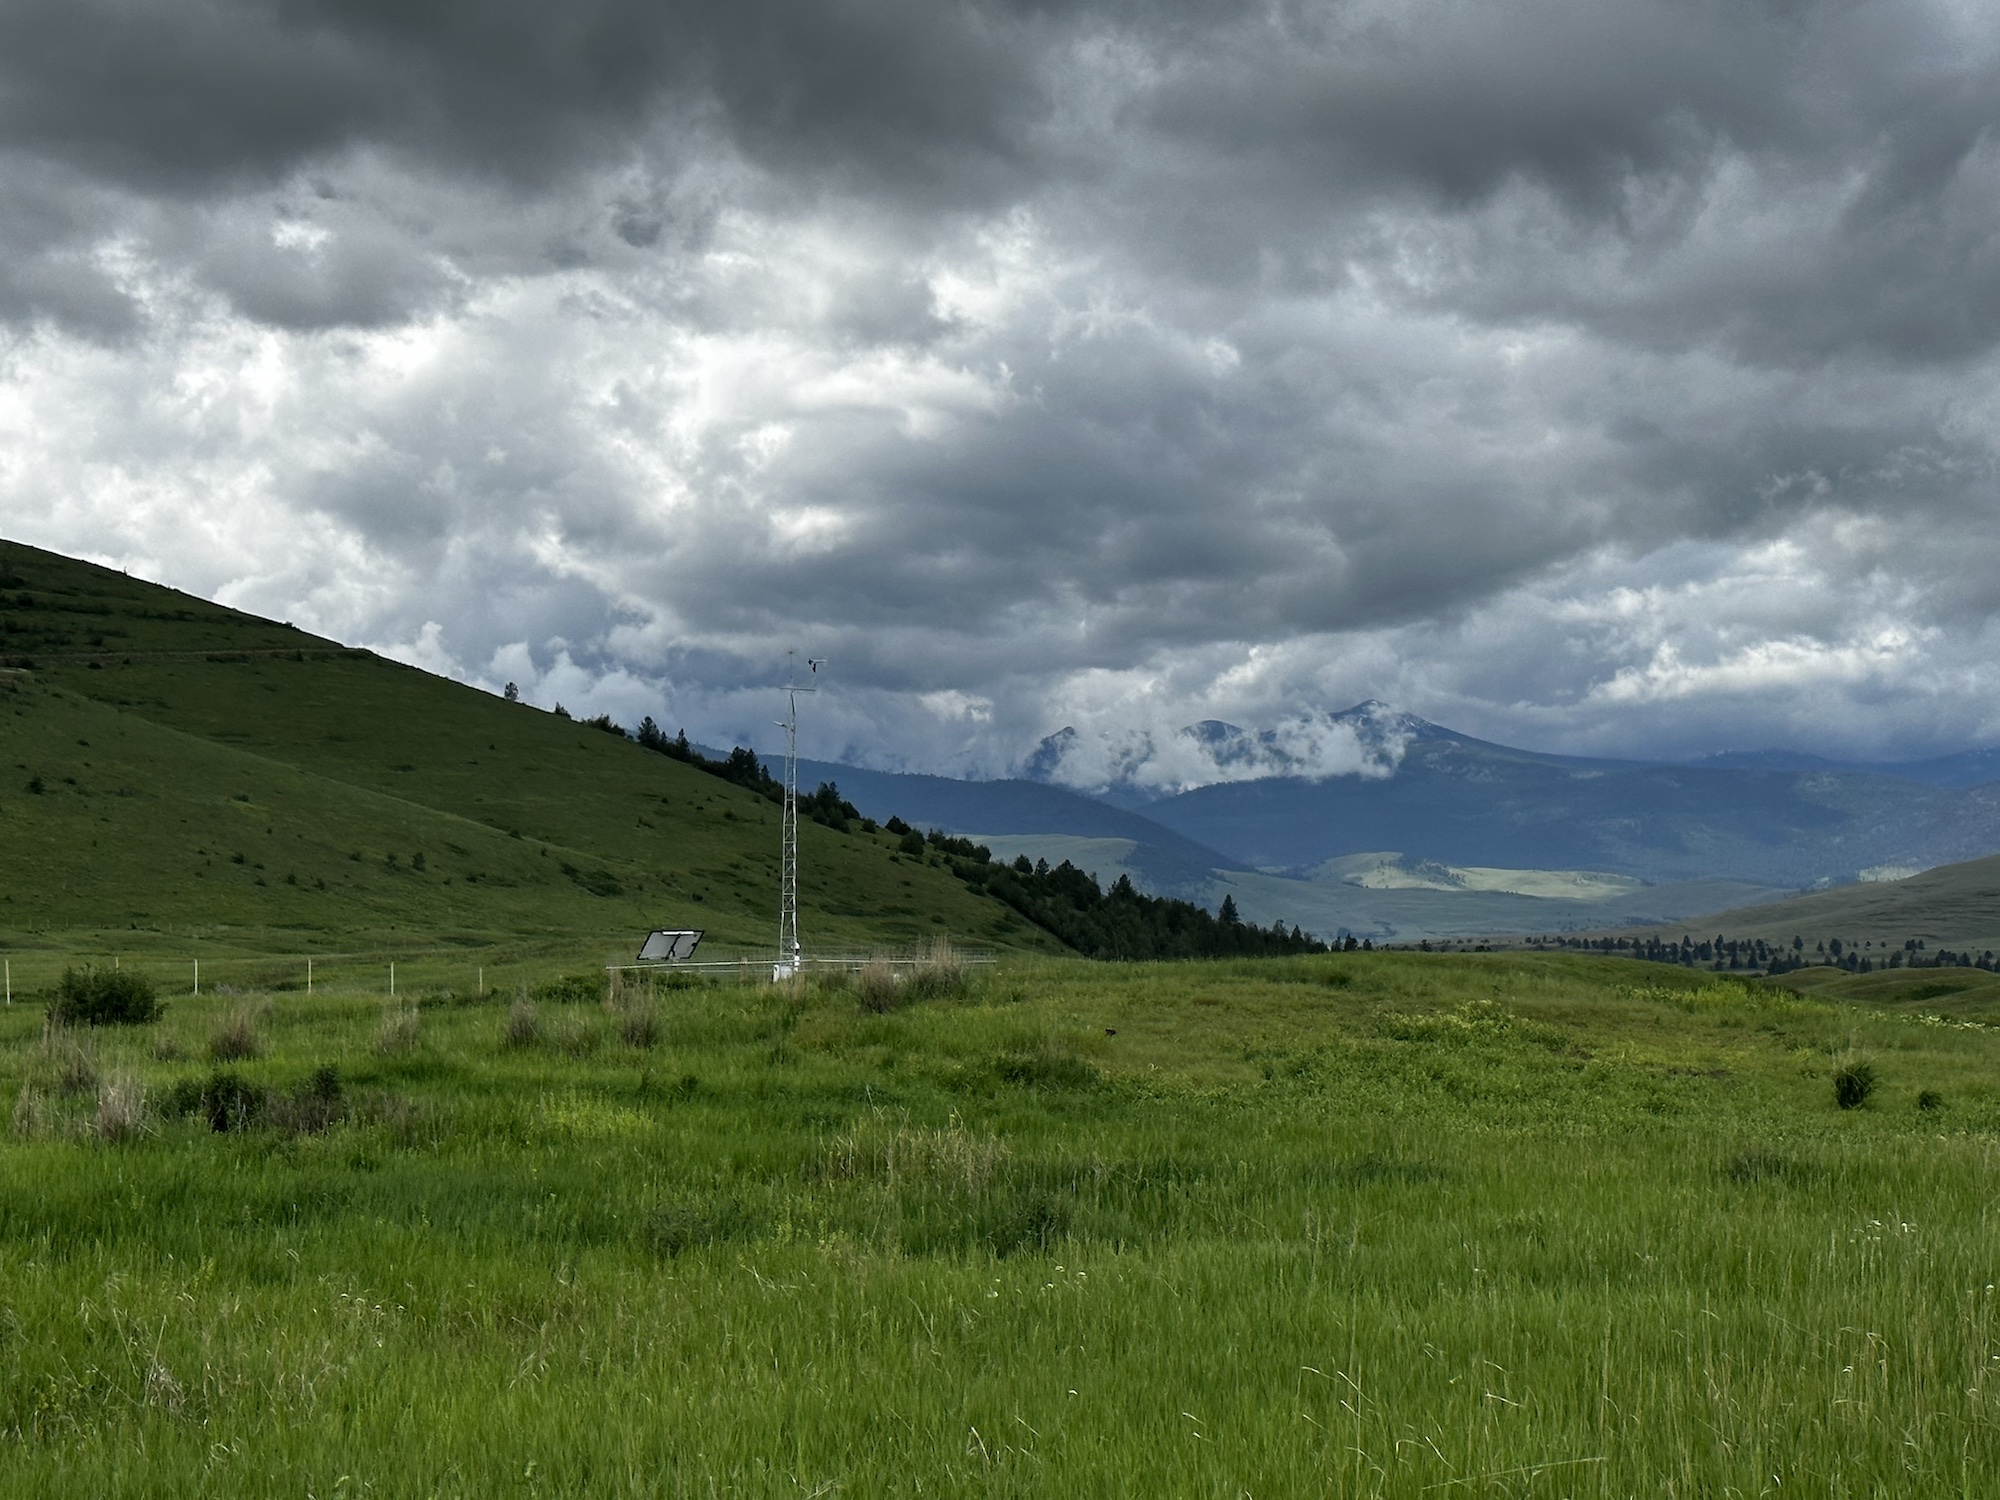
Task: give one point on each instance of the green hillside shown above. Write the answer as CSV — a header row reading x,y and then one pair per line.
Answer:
x,y
1953,906
178,778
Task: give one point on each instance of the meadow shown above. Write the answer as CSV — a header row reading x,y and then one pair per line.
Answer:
x,y
1356,1224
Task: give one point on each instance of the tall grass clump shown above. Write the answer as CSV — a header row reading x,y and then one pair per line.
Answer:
x,y
938,975
639,1025
121,1108
523,1027
401,1030
1853,1082
65,1060
574,1035
89,996
877,988
237,1038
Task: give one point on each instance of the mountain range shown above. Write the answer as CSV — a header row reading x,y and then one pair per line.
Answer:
x,y
1378,822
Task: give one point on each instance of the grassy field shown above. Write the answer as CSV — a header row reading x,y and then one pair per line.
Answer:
x,y
1489,1225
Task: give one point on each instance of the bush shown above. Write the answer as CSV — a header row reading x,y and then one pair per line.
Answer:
x,y
236,1039
571,989
104,997
1853,1082
1929,1099
225,1099
316,1104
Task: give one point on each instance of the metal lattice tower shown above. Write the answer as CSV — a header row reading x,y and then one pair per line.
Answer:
x,y
788,860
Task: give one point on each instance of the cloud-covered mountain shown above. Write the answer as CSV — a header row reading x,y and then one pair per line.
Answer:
x,y
1463,801
1136,766
1417,828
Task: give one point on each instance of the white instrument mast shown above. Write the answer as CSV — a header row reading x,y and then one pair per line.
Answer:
x,y
789,953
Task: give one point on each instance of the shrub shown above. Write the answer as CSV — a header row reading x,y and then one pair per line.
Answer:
x,y
104,997
1929,1099
401,1030
878,988
121,1108
571,989
524,1025
225,1099
236,1039
316,1104
1853,1082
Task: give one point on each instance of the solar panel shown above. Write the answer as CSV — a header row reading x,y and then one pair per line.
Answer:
x,y
665,945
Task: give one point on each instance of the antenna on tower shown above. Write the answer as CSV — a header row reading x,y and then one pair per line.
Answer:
x,y
789,958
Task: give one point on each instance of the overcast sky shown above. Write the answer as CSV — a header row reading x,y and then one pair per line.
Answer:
x,y
1611,376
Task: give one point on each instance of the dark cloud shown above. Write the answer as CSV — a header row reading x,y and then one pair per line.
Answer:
x,y
1586,368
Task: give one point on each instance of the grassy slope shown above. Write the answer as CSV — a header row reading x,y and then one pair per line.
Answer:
x,y
1952,906
170,736
1367,1224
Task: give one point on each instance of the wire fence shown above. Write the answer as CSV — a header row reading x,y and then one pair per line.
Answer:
x,y
29,976
750,966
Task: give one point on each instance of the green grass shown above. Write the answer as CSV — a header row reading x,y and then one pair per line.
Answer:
x,y
177,779
1366,1224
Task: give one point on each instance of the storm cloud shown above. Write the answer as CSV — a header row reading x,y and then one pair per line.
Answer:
x,y
1615,377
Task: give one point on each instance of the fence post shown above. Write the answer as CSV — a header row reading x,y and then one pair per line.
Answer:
x,y
392,981
197,976
10,981
309,978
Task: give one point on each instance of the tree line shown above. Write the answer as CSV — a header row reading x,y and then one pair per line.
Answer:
x,y
1754,953
1067,902
1119,923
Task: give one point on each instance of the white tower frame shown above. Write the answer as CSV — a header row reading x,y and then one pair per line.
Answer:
x,y
790,957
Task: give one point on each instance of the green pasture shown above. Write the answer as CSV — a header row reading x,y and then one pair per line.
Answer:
x,y
1489,1225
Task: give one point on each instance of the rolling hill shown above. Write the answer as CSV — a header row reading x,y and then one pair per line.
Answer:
x,y
1953,906
174,773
